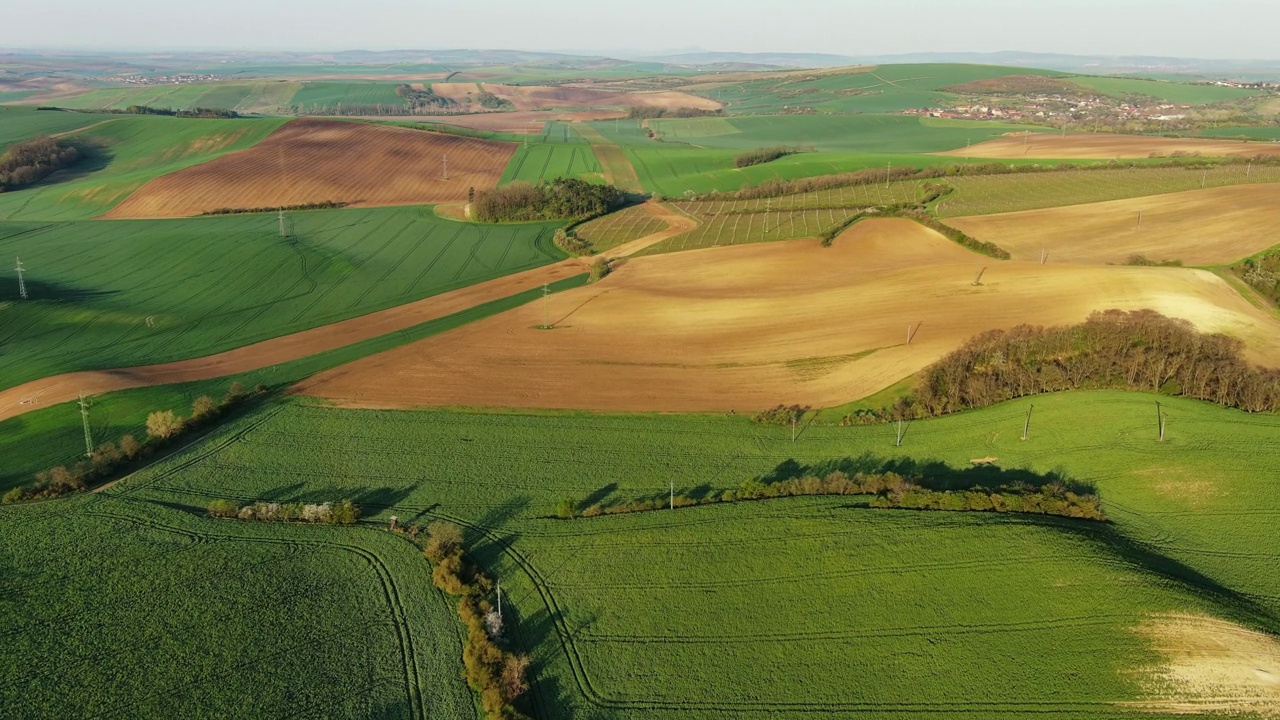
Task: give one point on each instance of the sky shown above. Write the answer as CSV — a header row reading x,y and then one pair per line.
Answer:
x,y
1225,29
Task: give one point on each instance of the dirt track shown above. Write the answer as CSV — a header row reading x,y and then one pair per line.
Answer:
x,y
1200,227
748,327
61,388
1103,146
312,161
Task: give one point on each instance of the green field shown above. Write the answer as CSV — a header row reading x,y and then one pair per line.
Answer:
x,y
157,609
1183,93
988,194
815,604
211,284
22,123
241,96
122,154
558,152
619,227
886,134
315,97
1267,132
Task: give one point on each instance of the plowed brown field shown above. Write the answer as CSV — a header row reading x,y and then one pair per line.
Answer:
x,y
312,161
1103,146
748,327
1200,227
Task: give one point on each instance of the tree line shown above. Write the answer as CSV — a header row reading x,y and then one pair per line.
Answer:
x,y
1261,273
1138,350
890,490
110,459
343,512
759,156
562,198
199,112
644,112
422,99
491,669
30,162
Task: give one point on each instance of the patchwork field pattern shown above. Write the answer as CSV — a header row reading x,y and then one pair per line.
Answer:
x,y
1052,146
313,161
619,228
125,293
892,602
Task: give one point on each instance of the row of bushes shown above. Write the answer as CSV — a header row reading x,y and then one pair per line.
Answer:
x,y
957,236
1140,260
777,188
760,156
343,512
497,674
490,101
638,112
567,240
891,490
110,459
1139,350
422,99
206,113
30,162
325,205
562,198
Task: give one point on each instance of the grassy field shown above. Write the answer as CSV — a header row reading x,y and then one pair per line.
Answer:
x,y
620,227
314,96
818,605
157,608
989,194
120,293
241,96
23,123
558,152
1173,92
882,134
123,154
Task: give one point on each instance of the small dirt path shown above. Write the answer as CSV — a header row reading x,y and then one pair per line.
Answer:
x,y
677,223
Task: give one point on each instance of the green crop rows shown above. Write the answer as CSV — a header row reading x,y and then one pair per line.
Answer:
x,y
22,123
620,227
315,95
816,604
255,96
131,292
558,152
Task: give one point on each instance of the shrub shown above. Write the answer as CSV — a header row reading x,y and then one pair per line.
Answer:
x,y
760,156
130,447
14,495
443,539
163,424
566,509
202,407
223,509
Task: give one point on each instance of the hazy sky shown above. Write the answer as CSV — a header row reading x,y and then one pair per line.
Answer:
x,y
1235,29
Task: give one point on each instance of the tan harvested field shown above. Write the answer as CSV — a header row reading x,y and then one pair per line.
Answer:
x,y
1200,227
534,97
61,388
311,161
529,122
1103,146
1211,667
749,327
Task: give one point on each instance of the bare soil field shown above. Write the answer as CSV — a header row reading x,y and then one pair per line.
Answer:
x,y
1211,666
748,327
61,388
312,161
533,97
1200,227
1103,146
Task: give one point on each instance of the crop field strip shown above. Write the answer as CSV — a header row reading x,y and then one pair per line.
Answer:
x,y
620,227
654,560
352,634
559,152
113,276
298,164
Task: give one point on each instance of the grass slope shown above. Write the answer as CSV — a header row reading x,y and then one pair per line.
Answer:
x,y
210,284
23,123
123,153
813,604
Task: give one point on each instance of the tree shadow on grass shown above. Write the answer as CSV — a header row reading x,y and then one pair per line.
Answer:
x,y
930,474
598,496
48,291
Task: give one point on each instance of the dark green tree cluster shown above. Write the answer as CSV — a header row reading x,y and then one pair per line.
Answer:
x,y
496,673
422,99
644,112
760,156
561,199
32,161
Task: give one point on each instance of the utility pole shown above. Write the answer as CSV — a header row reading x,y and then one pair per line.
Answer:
x,y
673,495
446,167
1044,255
546,306
499,598
1160,420
1026,426
283,231
1139,218
888,173
901,427
88,436
22,284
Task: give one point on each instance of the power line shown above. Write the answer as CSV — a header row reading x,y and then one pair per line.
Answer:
x,y
22,284
88,435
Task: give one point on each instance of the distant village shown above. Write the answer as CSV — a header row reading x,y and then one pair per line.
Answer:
x,y
183,79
